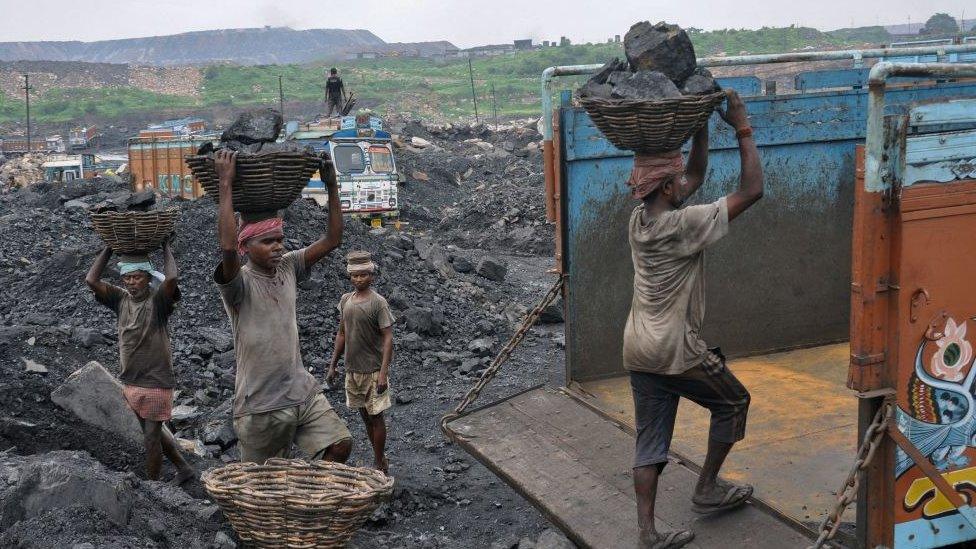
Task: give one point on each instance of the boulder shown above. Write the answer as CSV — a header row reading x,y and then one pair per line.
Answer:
x,y
462,265
481,346
438,260
492,268
643,85
700,83
424,321
86,337
552,314
254,126
662,47
419,142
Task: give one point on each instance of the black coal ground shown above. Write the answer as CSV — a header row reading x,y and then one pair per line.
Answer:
x,y
443,497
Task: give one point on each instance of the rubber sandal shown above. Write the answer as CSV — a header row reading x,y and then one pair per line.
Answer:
x,y
668,540
735,497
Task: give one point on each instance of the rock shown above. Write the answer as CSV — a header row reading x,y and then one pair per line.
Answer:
x,y
510,541
462,265
412,341
492,269
404,398
642,85
34,367
142,200
418,175
552,314
526,543
40,319
481,346
438,260
662,47
219,432
419,142
33,485
423,246
225,360
700,83
423,321
183,412
254,126
223,541
86,337
551,539
204,350
93,394
470,365
218,338
76,204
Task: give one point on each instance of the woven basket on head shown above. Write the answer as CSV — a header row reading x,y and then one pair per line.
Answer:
x,y
289,503
651,126
134,232
264,182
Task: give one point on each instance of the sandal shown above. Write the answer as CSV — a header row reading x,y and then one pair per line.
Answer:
x,y
734,497
666,540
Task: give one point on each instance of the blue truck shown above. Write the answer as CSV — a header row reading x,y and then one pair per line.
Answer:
x,y
365,167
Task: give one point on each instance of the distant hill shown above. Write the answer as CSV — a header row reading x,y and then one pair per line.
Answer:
x,y
262,46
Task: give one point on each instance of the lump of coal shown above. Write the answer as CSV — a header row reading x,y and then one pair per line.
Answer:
x,y
254,126
643,85
595,89
615,65
700,83
662,48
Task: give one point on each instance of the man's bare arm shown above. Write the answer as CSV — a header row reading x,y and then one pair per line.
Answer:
x,y
333,236
383,379
94,276
340,347
168,287
697,162
751,178
225,162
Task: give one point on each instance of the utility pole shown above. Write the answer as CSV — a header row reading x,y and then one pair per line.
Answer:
x,y
27,90
473,96
281,98
494,105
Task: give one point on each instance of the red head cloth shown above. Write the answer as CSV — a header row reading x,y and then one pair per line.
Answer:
x,y
652,170
248,231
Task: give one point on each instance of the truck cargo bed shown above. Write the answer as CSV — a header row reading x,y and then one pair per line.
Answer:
x,y
801,434
575,466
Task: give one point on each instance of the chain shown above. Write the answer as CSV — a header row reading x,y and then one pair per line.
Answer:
x,y
848,492
503,355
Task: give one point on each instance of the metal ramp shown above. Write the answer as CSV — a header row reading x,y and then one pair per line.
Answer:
x,y
575,467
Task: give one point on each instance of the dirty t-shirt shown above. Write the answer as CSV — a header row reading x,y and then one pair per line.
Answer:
x,y
270,371
662,335
145,357
363,322
333,86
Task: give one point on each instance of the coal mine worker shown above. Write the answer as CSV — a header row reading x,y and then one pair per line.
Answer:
x,y
365,339
662,347
335,93
276,400
143,307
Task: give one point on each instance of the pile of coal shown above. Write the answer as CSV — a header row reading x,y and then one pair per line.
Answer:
x,y
661,64
255,131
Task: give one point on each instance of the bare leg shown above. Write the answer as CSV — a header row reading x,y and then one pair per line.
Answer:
x,y
338,452
707,480
376,430
645,488
152,440
171,449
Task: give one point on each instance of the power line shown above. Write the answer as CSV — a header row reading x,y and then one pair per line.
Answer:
x,y
27,89
474,97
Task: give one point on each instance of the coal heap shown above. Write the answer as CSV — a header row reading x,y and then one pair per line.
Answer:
x,y
661,64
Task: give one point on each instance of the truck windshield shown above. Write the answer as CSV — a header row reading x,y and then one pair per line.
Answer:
x,y
381,159
349,159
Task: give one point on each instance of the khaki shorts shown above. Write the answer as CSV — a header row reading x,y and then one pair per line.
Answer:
x,y
361,393
313,426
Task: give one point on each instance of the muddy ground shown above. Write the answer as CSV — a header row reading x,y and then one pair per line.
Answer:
x,y
469,193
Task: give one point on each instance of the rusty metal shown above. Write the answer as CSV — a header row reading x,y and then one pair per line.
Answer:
x,y
848,493
550,180
503,355
916,302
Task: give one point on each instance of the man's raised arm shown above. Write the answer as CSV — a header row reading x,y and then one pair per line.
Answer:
x,y
751,179
225,163
94,276
333,237
171,271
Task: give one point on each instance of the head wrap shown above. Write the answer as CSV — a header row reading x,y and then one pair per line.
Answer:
x,y
248,231
652,170
130,264
360,261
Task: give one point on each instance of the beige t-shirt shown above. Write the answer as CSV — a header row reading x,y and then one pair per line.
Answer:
x,y
363,322
270,371
662,335
145,356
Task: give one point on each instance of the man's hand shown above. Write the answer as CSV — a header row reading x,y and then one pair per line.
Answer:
x,y
331,375
328,173
382,383
225,163
735,115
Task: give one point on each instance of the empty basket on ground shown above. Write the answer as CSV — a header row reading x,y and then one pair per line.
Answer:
x,y
134,232
651,126
294,504
264,182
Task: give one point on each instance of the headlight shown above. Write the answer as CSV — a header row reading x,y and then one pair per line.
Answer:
x,y
344,204
393,202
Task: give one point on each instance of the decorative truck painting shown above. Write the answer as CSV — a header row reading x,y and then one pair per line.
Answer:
x,y
365,168
844,302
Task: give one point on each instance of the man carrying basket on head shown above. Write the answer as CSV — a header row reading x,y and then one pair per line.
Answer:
x,y
663,349
276,401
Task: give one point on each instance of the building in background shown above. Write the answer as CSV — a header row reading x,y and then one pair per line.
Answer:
x,y
174,128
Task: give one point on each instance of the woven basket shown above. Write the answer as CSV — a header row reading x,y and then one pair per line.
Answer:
x,y
294,504
651,126
264,182
134,232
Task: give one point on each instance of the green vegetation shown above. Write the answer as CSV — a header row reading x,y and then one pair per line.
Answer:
x,y
414,87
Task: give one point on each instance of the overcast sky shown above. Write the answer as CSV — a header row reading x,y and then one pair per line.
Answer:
x,y
464,22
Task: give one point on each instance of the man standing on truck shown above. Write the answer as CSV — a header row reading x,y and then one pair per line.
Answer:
x,y
335,93
145,357
663,349
276,401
